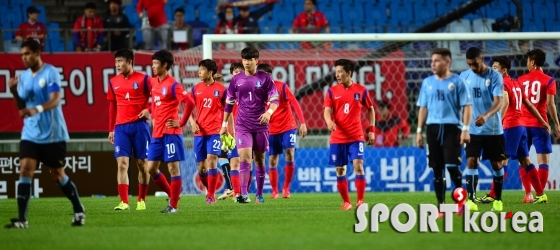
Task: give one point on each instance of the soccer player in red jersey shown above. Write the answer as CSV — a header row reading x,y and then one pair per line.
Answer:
x,y
515,134
128,95
540,89
343,104
209,97
283,134
167,136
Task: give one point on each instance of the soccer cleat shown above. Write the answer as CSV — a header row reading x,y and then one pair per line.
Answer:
x,y
528,198
141,205
541,199
243,199
460,208
79,219
472,205
346,206
486,199
359,202
285,193
210,200
497,206
274,195
122,206
17,224
227,193
169,210
259,199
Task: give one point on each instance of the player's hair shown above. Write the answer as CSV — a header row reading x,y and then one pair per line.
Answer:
x,y
249,53
32,45
346,64
503,61
265,67
314,2
209,64
234,66
443,52
90,5
164,57
384,104
473,52
218,78
180,9
126,54
537,55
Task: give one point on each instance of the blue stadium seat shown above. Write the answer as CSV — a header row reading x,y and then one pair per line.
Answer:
x,y
496,9
401,13
533,25
42,15
53,30
133,18
481,25
353,14
202,16
377,14
422,13
545,9
333,15
552,25
10,16
169,12
442,8
21,2
11,46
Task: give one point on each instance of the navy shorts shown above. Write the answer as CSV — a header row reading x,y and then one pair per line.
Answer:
x,y
168,148
132,137
279,142
232,153
540,138
205,145
516,142
340,153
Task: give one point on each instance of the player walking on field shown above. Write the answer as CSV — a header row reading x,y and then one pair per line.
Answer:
x,y
167,136
446,103
44,134
486,88
252,90
128,97
515,134
343,105
283,134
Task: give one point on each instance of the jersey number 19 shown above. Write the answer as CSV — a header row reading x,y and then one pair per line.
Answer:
x,y
535,96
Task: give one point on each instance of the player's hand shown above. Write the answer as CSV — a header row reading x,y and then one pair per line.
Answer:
x,y
195,128
141,14
13,81
371,138
303,130
265,118
111,137
419,140
172,123
144,114
28,112
331,126
223,131
480,120
557,133
465,137
547,127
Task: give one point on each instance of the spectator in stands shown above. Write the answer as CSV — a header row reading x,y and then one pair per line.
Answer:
x,y
157,20
116,20
88,30
180,25
228,24
310,21
389,126
32,29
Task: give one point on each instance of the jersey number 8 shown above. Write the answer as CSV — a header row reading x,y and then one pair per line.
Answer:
x,y
346,108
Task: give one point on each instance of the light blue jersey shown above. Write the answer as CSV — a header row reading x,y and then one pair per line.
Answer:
x,y
444,99
49,126
483,89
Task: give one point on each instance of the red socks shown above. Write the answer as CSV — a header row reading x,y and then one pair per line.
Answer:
x,y
360,186
212,181
532,175
234,175
525,179
160,180
123,192
273,176
142,191
342,185
543,175
204,179
176,184
288,175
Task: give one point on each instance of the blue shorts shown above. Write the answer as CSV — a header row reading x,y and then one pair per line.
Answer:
x,y
129,137
340,153
168,148
279,142
516,142
540,138
232,153
206,145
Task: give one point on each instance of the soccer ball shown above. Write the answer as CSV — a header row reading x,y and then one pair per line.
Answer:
x,y
459,195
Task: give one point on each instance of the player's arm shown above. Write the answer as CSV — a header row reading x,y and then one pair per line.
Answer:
x,y
422,103
13,84
297,108
496,106
405,128
366,102
505,104
188,110
53,84
535,113
228,108
551,107
327,113
272,98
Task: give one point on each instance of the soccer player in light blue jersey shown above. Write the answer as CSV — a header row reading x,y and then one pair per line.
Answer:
x,y
44,134
446,103
486,86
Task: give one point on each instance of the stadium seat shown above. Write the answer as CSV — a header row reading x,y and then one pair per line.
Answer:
x,y
481,25
377,14
401,13
442,8
133,18
552,25
423,14
21,2
202,16
533,25
169,12
460,26
11,46
10,16
332,14
42,15
545,9
352,14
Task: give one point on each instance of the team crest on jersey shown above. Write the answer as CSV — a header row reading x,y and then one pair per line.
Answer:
x,y
451,86
164,91
487,82
42,82
357,96
216,93
117,149
333,157
258,84
135,85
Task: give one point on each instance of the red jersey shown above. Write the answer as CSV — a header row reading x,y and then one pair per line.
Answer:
x,y
512,91
155,9
210,101
88,32
311,23
27,28
131,96
283,119
166,96
346,105
536,86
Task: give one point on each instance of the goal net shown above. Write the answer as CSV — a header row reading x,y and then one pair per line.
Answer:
x,y
392,67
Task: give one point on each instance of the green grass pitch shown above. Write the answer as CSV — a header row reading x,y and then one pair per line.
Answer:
x,y
306,221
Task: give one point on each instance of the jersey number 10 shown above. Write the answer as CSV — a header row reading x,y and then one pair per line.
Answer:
x,y
535,87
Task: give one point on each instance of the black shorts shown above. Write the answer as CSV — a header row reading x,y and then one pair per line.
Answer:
x,y
51,154
443,145
492,147
223,154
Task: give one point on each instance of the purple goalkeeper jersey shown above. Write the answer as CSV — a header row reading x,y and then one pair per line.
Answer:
x,y
252,94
